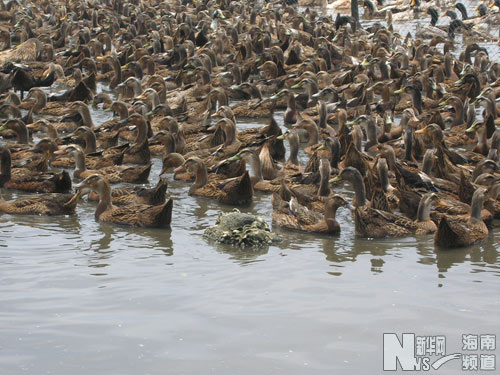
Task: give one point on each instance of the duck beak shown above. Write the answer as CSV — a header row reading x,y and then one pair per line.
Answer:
x,y
297,86
180,169
60,152
400,91
471,129
234,158
280,137
336,179
444,103
107,109
422,131
75,197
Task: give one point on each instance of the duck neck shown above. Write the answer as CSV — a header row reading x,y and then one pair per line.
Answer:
x,y
416,96
51,131
324,187
137,88
490,108
155,100
90,142
424,209
170,144
122,110
293,141
459,111
390,156
330,213
142,131
201,176
409,144
86,118
256,166
476,206
359,189
79,161
22,132
427,162
383,175
6,164
41,102
371,132
117,69
481,139
313,132
291,106
104,191
230,133
236,72
322,116
447,65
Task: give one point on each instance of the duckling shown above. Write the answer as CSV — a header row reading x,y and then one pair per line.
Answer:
x,y
235,191
304,220
460,232
159,216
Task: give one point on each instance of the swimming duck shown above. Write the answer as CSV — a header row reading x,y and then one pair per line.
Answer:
x,y
465,231
42,204
114,174
370,222
159,216
137,195
234,191
34,182
291,215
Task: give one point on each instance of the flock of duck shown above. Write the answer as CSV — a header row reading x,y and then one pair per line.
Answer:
x,y
394,116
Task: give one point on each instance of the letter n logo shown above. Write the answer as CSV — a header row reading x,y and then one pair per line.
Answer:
x,y
395,351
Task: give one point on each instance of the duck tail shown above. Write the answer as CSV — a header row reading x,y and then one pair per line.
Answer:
x,y
156,195
164,217
144,175
445,236
63,182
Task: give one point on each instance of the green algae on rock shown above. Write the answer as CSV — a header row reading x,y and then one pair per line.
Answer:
x,y
241,229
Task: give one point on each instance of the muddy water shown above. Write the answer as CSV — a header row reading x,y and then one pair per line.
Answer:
x,y
81,297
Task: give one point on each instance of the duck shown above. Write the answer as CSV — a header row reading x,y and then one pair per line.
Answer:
x,y
50,204
455,232
292,216
236,191
114,174
33,182
138,152
370,222
147,216
137,195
